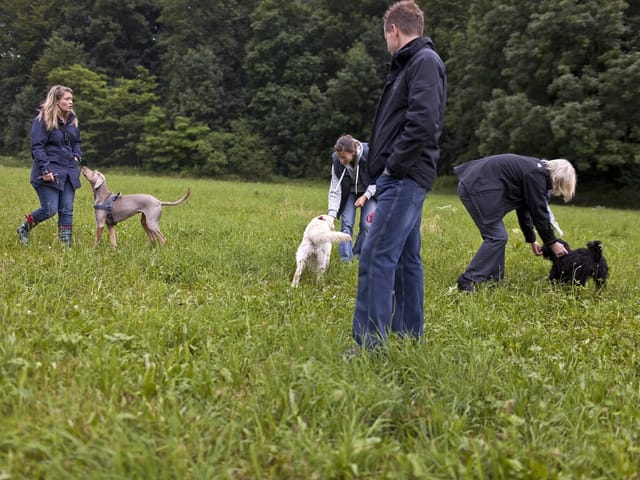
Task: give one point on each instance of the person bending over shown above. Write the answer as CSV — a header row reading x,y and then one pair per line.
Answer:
x,y
491,187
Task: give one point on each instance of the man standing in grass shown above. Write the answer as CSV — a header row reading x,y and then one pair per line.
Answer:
x,y
403,158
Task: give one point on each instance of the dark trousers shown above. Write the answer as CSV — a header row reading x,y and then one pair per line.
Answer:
x,y
488,262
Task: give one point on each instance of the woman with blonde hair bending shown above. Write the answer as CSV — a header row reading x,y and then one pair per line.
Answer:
x,y
55,173
491,187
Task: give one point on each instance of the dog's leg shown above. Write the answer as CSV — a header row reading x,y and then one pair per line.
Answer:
x,y
599,280
296,276
580,276
157,234
112,235
323,258
153,230
143,222
160,237
99,230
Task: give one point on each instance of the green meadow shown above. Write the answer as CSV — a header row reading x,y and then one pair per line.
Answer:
x,y
198,361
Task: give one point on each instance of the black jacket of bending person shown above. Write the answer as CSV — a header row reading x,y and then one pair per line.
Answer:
x,y
501,183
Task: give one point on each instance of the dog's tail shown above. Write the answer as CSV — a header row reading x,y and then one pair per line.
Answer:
x,y
179,201
595,248
331,236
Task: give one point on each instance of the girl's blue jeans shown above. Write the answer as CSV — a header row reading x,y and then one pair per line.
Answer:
x,y
349,249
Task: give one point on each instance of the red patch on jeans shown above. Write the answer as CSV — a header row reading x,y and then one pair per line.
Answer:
x,y
369,218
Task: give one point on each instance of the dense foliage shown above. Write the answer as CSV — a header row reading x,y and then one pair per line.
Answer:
x,y
254,88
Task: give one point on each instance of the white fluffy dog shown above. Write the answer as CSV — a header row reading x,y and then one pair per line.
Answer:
x,y
315,248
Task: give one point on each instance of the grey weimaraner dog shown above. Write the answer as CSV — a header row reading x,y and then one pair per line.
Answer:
x,y
113,208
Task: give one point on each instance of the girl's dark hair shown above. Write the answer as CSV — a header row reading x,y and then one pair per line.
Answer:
x,y
345,143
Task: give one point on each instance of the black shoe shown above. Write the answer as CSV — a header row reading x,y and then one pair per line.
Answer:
x,y
466,287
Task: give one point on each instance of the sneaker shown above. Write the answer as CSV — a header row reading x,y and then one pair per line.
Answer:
x,y
23,233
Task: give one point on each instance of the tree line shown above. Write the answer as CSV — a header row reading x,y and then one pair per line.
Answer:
x,y
260,88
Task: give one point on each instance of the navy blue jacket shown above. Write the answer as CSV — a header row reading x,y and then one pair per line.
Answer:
x,y
501,183
54,151
410,115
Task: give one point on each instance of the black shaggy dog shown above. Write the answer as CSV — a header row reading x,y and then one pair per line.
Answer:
x,y
578,265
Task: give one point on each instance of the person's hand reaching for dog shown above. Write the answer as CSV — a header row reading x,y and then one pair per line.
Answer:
x,y
557,248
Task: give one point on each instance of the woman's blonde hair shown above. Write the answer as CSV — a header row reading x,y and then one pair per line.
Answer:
x,y
49,110
563,178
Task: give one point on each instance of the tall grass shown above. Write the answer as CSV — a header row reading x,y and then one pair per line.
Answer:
x,y
197,360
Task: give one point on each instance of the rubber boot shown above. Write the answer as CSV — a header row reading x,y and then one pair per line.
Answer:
x,y
65,234
24,229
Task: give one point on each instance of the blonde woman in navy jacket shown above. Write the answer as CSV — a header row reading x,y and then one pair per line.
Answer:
x,y
55,172
491,187
351,189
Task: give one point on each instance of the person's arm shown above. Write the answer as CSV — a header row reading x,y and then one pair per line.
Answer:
x,y
39,140
537,214
366,196
534,191
526,224
370,191
335,194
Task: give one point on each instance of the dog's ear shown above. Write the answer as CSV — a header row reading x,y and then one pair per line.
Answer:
x,y
99,180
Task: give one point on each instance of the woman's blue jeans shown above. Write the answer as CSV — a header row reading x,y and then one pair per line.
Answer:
x,y
349,249
54,201
390,276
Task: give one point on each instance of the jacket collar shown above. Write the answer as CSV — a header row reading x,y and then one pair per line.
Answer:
x,y
403,55
70,118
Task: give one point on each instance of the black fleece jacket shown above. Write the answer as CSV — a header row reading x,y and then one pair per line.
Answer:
x,y
410,115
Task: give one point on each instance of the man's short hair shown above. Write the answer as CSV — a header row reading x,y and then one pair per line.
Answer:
x,y
407,16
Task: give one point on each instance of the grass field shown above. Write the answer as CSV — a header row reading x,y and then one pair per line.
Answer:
x,y
197,360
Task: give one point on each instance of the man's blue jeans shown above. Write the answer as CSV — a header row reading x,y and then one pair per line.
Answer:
x,y
390,277
348,249
54,201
